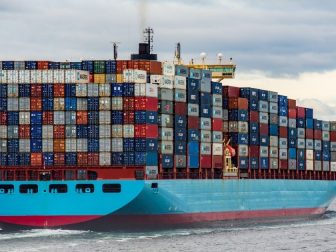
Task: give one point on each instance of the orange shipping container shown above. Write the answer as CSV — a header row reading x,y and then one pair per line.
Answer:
x,y
48,117
36,90
59,145
36,159
82,158
36,104
82,117
24,131
93,159
59,158
43,65
59,131
121,66
59,90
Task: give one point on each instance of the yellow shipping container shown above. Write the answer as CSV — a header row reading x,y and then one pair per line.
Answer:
x,y
99,78
120,78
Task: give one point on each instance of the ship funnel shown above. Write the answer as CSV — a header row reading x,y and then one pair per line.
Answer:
x,y
146,47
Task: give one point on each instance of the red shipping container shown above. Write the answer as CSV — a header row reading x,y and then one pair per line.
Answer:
x,y
318,134
91,78
130,64
121,66
283,132
36,104
59,90
48,117
93,159
229,91
292,113
254,116
146,130
36,159
128,103
193,122
82,117
42,65
3,118
35,90
152,104
180,108
301,112
332,136
283,164
59,131
291,104
254,151
263,129
128,117
146,103
59,159
217,162
155,67
309,133
205,161
238,103
24,131
82,158
217,124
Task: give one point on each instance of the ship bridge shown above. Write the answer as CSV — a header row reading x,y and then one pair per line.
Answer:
x,y
219,71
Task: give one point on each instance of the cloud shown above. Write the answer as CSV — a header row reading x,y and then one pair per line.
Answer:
x,y
280,38
322,110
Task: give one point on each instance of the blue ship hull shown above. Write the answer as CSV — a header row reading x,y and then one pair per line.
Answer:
x,y
163,202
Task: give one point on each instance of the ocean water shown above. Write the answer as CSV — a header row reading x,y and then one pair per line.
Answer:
x,y
318,234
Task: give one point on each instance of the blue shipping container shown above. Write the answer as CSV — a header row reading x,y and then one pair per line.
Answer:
x,y
167,161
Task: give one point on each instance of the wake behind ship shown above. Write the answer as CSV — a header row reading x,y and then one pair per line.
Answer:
x,y
141,143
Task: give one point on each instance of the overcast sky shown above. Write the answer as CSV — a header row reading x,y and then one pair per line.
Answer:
x,y
287,46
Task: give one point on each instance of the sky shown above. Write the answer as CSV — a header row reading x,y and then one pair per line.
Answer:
x,y
284,46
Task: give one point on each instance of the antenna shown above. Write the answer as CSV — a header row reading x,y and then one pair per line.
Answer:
x,y
220,58
115,49
178,53
148,37
203,56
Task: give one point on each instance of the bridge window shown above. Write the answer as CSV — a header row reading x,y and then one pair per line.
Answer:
x,y
58,188
28,188
111,188
85,188
6,189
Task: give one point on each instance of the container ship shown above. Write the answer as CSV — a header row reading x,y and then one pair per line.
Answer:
x,y
142,143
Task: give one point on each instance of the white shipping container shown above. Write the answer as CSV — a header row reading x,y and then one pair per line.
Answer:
x,y
273,152
104,103
24,104
24,76
283,154
104,144
3,76
3,145
3,131
151,172
12,76
24,145
59,76
82,145
70,145
82,104
35,76
105,158
12,104
104,90
332,166
205,148
44,76
309,165
180,82
59,117
47,145
13,131
243,150
136,76
309,154
12,90
104,117
128,130
70,117
168,69
47,131
24,117
117,145
117,103
105,131
167,82
263,151
139,90
93,90
81,90
151,90
117,130
50,76
167,134
206,136
76,76
217,149
167,147
155,79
